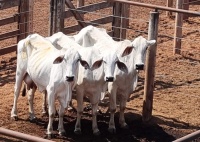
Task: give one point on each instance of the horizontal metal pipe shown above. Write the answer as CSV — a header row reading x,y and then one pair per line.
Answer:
x,y
156,7
189,137
22,136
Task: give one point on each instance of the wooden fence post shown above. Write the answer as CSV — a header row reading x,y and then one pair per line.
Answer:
x,y
169,4
22,21
178,28
117,7
56,21
185,7
125,20
51,18
60,8
150,68
29,17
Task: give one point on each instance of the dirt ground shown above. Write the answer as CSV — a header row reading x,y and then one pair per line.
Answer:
x,y
176,106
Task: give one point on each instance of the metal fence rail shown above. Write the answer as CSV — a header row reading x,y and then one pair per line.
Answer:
x,y
22,136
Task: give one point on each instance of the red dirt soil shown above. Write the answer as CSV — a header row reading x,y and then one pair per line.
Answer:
x,y
176,106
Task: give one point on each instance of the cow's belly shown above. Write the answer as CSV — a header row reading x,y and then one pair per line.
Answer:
x,y
40,73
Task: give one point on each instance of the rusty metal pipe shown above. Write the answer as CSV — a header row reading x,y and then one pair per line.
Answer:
x,y
22,136
156,7
189,137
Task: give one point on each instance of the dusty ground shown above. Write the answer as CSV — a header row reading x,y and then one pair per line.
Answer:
x,y
176,106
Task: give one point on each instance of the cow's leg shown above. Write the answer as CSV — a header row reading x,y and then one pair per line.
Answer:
x,y
79,98
51,103
61,115
94,116
18,85
112,98
31,93
122,122
44,103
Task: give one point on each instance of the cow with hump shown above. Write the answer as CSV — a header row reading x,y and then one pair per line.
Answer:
x,y
124,80
103,57
51,69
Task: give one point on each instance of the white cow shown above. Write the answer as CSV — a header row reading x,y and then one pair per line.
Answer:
x,y
125,83
50,69
92,82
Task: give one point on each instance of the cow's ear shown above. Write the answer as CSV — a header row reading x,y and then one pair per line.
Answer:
x,y
58,60
127,51
84,64
122,66
151,42
97,64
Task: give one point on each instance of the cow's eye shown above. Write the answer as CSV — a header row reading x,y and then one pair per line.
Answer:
x,y
104,62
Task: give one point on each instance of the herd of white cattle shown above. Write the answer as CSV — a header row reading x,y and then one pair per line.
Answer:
x,y
90,63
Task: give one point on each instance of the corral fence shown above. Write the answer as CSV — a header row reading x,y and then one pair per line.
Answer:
x,y
23,18
119,20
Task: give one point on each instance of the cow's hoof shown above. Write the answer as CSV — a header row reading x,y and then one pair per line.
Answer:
x,y
77,132
62,133
15,118
125,127
97,133
50,136
112,130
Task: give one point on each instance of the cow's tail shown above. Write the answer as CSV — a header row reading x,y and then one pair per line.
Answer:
x,y
24,90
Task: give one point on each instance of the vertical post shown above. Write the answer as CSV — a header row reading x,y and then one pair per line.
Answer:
x,y
29,17
169,4
21,21
150,68
185,7
178,28
125,20
116,20
60,7
56,21
51,18
81,3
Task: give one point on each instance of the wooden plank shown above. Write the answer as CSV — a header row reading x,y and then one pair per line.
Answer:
x,y
9,20
96,22
4,4
9,49
178,28
77,15
9,35
88,8
59,19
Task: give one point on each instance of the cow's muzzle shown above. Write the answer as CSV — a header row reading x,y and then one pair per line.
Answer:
x,y
109,79
139,66
69,78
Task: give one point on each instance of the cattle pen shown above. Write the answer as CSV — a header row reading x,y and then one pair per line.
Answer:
x,y
56,23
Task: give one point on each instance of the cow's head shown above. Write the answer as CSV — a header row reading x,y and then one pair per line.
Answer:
x,y
111,59
70,63
140,46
